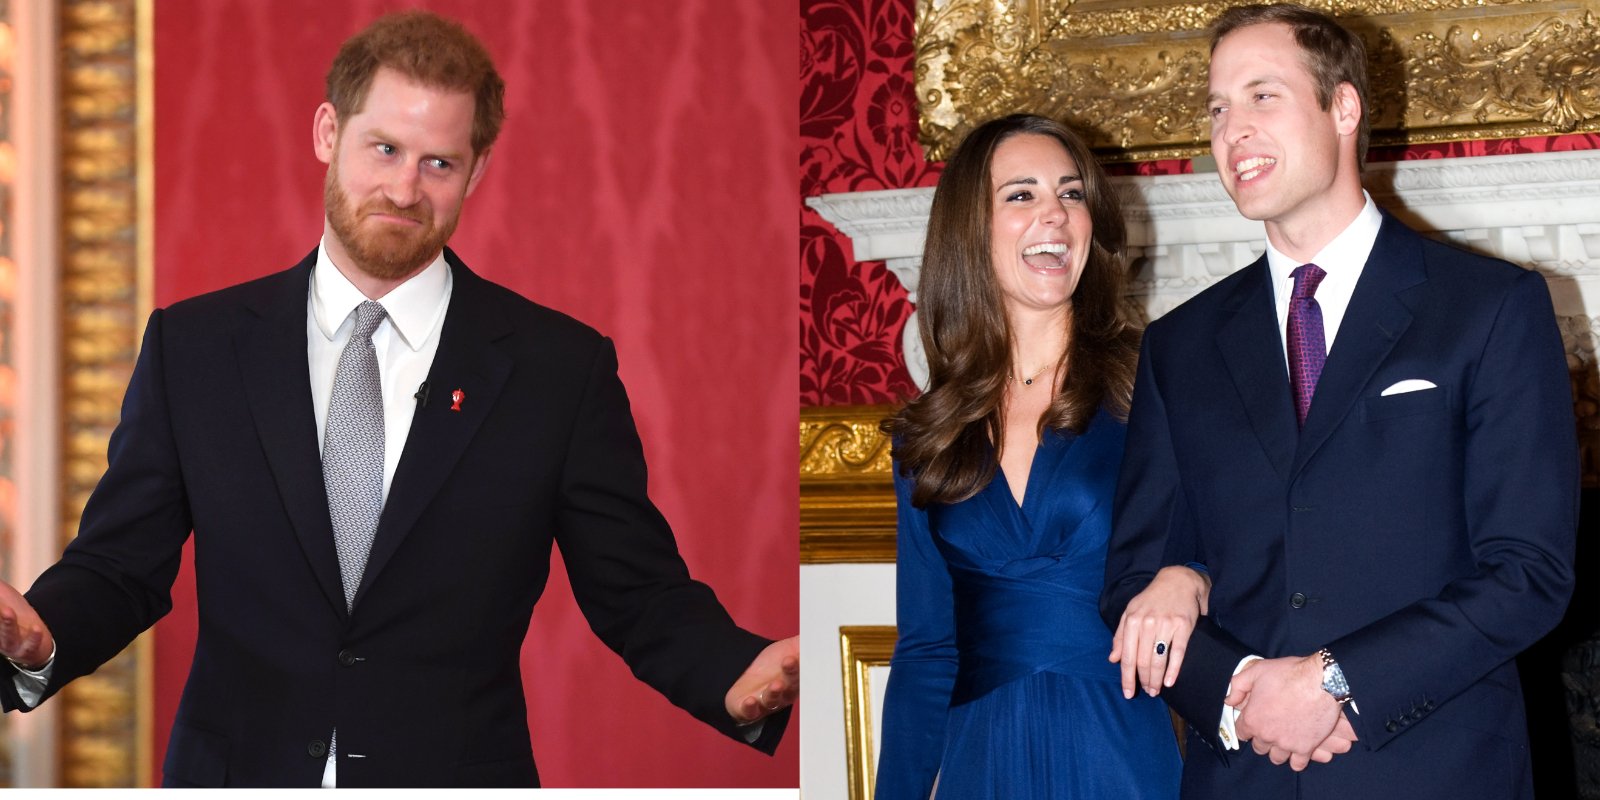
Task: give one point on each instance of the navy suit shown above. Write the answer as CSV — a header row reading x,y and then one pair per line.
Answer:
x,y
1424,538
422,678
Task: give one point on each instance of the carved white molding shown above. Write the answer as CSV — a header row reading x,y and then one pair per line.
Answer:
x,y
1539,210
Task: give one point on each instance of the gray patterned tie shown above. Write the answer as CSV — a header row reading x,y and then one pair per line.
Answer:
x,y
352,450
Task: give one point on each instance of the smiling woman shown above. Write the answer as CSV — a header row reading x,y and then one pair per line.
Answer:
x,y
999,686
1040,236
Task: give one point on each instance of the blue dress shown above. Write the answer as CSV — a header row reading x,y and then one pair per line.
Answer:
x,y
999,684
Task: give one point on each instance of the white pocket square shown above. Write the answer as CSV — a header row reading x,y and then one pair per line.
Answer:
x,y
1409,385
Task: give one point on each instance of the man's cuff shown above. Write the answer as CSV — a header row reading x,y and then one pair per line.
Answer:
x,y
1230,715
32,683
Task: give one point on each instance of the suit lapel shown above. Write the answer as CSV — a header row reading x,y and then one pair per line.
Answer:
x,y
277,379
1375,320
466,360
1252,350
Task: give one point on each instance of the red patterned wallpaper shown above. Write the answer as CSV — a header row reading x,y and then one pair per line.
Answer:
x,y
858,132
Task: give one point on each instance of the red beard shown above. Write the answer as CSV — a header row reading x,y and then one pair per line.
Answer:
x,y
384,251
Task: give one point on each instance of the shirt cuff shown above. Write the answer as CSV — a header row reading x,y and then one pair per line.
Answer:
x,y
32,683
752,731
1230,715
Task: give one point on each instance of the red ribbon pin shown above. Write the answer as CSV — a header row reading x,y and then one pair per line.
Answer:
x,y
455,399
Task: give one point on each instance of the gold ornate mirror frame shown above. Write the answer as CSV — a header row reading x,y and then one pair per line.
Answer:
x,y
1131,74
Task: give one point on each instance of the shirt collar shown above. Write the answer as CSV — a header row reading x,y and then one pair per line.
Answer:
x,y
414,307
1345,255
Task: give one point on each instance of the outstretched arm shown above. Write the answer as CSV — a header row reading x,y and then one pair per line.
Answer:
x,y
632,584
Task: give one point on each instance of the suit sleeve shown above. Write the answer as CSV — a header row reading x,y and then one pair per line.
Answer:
x,y
922,673
1521,499
627,575
1153,527
115,579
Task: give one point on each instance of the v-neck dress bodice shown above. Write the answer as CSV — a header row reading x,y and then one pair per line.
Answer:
x,y
999,683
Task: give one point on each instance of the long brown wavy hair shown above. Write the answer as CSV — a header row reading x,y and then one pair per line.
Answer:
x,y
947,439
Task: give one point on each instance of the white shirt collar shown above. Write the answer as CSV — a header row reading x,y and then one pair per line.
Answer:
x,y
1340,258
415,307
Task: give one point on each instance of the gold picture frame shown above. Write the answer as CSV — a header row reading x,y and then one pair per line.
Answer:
x,y
861,648
1131,74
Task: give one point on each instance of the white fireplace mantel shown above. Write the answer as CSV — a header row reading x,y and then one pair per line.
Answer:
x,y
1538,210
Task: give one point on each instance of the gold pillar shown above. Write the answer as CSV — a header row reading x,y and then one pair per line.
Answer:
x,y
105,151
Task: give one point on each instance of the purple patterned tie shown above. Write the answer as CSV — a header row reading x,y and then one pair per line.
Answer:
x,y
1306,349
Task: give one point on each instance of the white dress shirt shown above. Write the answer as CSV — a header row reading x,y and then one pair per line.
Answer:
x,y
405,343
1342,259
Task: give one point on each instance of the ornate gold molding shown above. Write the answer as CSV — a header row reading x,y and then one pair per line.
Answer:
x,y
862,647
1132,75
105,157
847,511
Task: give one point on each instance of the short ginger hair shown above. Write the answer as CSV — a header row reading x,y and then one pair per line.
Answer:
x,y
426,48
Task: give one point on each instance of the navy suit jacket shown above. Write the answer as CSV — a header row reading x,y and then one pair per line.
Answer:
x,y
1424,538
422,678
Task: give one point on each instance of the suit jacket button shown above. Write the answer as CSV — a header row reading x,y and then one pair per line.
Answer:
x,y
346,658
1391,726
1297,600
317,749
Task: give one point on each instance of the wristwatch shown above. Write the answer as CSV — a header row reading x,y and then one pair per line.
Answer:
x,y
1333,681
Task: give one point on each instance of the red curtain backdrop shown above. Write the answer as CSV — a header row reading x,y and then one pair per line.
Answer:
x,y
858,132
644,184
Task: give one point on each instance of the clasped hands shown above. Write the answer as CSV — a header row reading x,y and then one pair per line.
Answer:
x,y
770,684
1285,713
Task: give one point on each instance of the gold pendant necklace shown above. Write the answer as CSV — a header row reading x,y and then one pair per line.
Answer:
x,y
1029,380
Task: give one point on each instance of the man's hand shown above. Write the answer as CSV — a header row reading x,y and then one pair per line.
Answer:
x,y
770,684
24,638
1286,715
1164,612
1338,743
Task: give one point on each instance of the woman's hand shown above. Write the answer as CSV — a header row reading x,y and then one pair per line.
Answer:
x,y
1159,618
